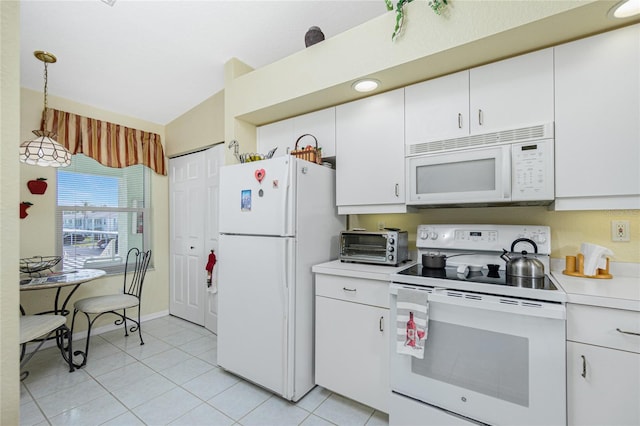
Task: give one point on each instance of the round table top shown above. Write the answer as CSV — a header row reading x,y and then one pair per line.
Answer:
x,y
59,279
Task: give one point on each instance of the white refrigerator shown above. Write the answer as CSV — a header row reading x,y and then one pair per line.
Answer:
x,y
278,218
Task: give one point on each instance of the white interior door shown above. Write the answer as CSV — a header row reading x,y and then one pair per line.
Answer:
x,y
187,235
214,158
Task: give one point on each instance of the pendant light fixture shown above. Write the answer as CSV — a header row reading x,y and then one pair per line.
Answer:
x,y
44,150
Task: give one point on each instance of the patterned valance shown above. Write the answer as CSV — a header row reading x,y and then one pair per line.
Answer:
x,y
110,144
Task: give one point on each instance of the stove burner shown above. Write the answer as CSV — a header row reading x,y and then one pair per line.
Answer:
x,y
482,277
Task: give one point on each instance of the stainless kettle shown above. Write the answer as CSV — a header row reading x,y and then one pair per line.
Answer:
x,y
523,266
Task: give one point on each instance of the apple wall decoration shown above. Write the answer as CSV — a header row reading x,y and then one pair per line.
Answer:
x,y
23,209
38,186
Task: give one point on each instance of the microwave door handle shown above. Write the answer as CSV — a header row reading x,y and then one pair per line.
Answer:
x,y
506,173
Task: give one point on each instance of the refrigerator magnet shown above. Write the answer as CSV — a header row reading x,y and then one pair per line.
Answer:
x,y
245,200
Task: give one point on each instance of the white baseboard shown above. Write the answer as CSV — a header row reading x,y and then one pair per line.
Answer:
x,y
100,330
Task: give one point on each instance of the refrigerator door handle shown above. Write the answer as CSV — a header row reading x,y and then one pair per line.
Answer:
x,y
289,312
286,201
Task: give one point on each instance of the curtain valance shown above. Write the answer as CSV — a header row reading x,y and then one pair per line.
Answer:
x,y
110,144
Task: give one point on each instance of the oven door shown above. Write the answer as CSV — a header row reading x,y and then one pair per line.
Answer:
x,y
471,176
496,360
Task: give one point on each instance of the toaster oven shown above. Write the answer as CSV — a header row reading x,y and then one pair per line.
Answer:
x,y
387,247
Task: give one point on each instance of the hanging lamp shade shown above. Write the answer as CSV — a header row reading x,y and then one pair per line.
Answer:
x,y
44,150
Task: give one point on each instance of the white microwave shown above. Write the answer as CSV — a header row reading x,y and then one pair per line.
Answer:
x,y
517,173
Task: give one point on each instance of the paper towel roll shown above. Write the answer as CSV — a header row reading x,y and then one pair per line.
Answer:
x,y
595,257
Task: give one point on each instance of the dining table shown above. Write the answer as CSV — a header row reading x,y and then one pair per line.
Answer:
x,y
58,280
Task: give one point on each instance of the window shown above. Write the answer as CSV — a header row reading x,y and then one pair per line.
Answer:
x,y
102,212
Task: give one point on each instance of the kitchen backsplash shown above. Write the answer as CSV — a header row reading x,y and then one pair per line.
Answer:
x,y
568,228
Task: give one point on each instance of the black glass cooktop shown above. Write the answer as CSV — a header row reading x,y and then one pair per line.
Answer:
x,y
483,277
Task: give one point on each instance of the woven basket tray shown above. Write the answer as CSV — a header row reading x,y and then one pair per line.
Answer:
x,y
309,153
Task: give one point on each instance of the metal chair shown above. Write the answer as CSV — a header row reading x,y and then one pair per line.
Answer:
x,y
39,328
134,273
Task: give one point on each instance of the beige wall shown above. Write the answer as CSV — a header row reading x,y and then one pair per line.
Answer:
x,y
199,127
474,32
9,233
37,230
469,34
568,229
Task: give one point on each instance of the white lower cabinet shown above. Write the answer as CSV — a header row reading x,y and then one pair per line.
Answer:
x,y
603,366
352,339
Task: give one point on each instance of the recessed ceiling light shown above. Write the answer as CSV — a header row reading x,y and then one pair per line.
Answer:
x,y
625,9
366,85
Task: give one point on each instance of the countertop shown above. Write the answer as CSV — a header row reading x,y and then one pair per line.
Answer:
x,y
619,292
360,270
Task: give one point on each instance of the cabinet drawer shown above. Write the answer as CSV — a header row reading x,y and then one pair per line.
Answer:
x,y
599,326
357,290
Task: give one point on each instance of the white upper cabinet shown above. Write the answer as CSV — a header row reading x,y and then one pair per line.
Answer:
x,y
513,93
370,155
284,134
437,109
322,125
277,135
504,95
598,122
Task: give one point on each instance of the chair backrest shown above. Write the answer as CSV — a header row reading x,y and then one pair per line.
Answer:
x,y
135,270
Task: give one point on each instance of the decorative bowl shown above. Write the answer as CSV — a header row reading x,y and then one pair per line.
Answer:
x,y
38,263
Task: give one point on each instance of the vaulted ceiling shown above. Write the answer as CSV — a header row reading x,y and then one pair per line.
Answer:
x,y
155,60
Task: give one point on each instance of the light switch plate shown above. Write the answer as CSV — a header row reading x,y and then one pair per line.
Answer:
x,y
620,230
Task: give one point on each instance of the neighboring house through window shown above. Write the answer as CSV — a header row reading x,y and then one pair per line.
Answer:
x,y
102,212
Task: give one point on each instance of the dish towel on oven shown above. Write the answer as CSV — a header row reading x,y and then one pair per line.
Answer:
x,y
412,321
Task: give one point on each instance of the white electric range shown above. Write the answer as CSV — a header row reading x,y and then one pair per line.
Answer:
x,y
495,347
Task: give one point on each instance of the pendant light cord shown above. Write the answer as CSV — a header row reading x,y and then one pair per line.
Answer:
x,y
44,113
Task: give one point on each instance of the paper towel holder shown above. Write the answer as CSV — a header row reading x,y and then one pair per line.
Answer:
x,y
574,266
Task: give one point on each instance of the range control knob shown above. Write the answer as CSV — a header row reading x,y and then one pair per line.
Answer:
x,y
391,249
540,238
391,240
433,235
390,257
424,234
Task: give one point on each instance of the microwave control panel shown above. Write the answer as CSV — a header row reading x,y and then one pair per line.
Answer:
x,y
532,171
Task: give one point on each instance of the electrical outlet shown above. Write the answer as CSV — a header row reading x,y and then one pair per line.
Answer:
x,y
380,226
620,230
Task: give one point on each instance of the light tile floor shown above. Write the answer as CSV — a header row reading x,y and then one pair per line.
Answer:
x,y
172,379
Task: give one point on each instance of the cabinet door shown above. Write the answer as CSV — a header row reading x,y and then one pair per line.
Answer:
x,y
370,150
598,116
276,135
609,392
514,93
437,109
322,125
352,351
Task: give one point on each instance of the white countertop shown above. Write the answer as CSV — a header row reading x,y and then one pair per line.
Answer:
x,y
360,270
620,292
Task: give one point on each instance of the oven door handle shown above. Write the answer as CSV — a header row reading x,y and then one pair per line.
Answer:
x,y
500,304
